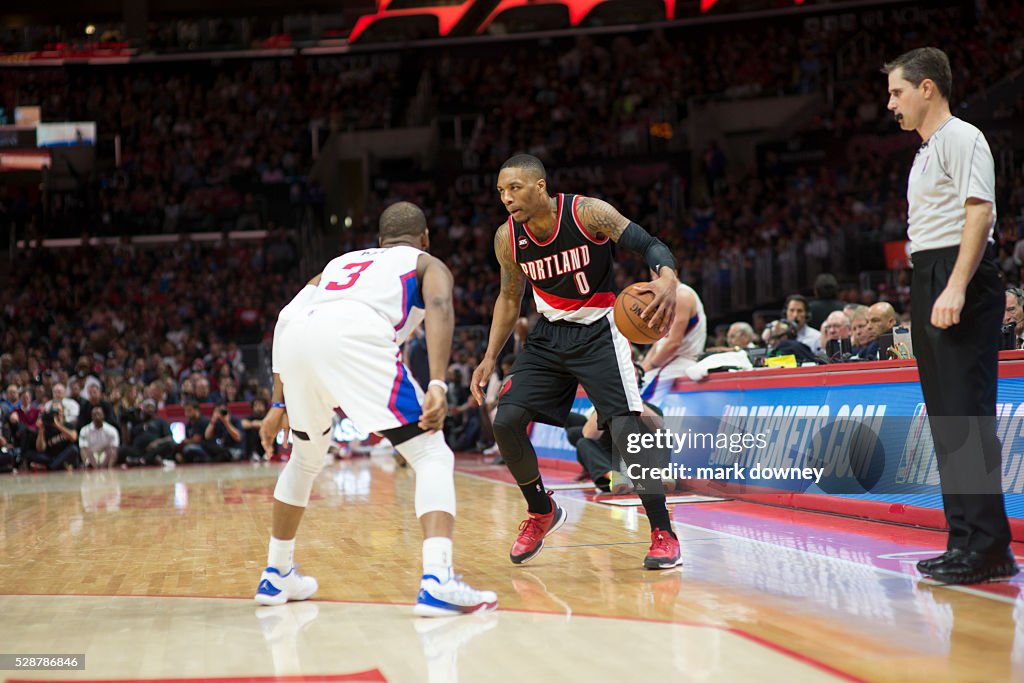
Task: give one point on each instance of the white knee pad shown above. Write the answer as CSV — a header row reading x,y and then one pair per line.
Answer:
x,y
434,464
296,480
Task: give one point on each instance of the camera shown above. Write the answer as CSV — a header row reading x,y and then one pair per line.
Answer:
x,y
224,412
1008,338
49,418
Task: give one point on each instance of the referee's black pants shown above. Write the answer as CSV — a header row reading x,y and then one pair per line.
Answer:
x,y
958,367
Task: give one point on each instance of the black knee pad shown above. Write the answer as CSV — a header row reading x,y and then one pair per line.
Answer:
x,y
574,434
510,423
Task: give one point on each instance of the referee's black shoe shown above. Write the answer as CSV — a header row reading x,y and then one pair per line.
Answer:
x,y
974,567
926,566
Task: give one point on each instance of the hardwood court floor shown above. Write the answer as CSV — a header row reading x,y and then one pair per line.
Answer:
x,y
150,573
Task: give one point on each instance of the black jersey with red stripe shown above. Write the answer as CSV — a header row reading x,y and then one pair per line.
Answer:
x,y
571,272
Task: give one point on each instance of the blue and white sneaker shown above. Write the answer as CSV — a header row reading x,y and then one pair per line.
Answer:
x,y
277,589
452,597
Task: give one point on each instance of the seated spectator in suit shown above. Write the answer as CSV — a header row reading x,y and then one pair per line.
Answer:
x,y
797,312
99,440
860,330
881,319
835,329
781,339
1014,313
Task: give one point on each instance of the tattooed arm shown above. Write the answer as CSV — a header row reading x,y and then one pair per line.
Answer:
x,y
600,219
506,311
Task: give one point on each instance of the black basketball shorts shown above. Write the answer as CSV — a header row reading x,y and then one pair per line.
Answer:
x,y
560,355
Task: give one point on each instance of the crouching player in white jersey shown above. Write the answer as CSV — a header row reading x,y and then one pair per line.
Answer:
x,y
337,344
681,348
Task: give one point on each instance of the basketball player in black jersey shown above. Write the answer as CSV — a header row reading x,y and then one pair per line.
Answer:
x,y
562,245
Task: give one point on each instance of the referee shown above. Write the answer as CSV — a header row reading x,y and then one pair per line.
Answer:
x,y
956,312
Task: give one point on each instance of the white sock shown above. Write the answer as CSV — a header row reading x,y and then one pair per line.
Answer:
x,y
280,555
437,557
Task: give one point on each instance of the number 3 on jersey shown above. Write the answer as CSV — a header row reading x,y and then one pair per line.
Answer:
x,y
357,270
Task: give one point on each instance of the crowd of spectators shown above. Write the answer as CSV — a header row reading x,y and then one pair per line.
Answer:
x,y
167,35
202,148
598,97
969,37
128,328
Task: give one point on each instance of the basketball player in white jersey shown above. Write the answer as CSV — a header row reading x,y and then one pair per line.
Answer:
x,y
669,357
337,344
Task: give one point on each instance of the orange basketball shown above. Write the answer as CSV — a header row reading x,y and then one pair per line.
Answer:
x,y
628,307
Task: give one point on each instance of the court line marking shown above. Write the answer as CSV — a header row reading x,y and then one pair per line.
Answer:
x,y
882,570
369,676
598,545
734,630
758,639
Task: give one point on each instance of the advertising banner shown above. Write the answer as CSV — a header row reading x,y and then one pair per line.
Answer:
x,y
857,440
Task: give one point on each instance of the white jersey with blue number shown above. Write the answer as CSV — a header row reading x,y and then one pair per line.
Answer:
x,y
383,278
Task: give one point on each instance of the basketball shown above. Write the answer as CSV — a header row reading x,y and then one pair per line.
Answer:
x,y
628,307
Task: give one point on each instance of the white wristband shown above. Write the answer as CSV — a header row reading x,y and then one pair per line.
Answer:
x,y
440,383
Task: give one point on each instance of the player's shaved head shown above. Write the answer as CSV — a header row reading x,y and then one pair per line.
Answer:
x,y
402,220
526,162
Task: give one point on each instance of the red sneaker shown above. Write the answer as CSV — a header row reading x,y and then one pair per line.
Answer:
x,y
664,552
532,532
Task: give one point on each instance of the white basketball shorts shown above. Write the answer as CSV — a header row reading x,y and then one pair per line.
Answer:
x,y
343,354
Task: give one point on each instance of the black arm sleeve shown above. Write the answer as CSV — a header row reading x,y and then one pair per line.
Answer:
x,y
647,245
